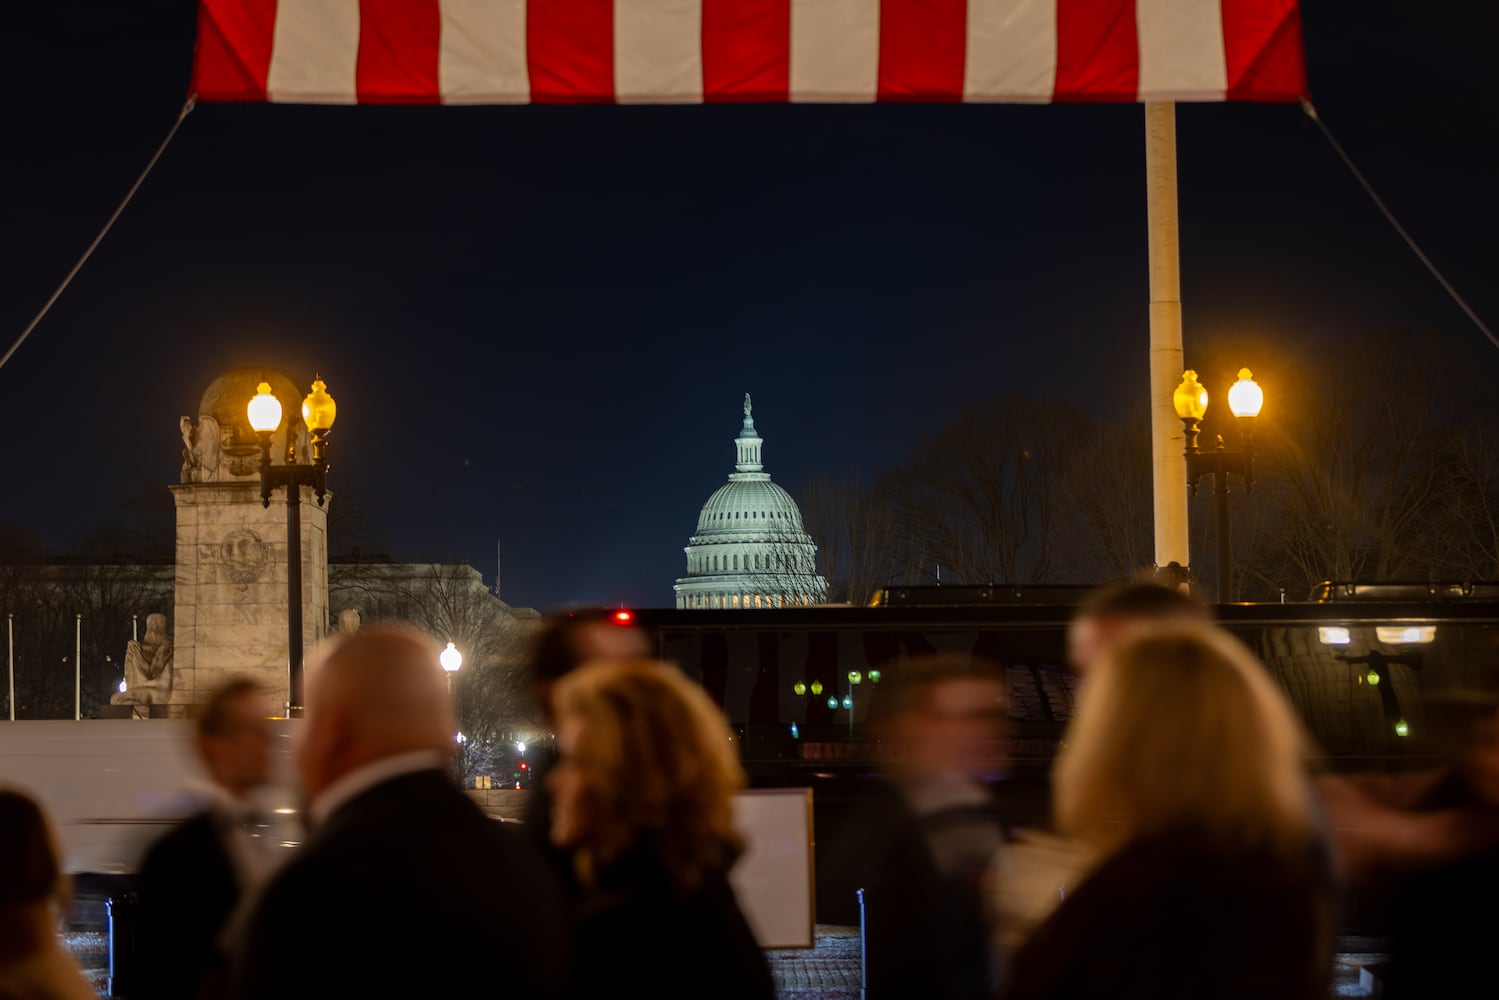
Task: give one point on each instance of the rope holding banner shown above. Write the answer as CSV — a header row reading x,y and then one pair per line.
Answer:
x,y
1311,112
47,306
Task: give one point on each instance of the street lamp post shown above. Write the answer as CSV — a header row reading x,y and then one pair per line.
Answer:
x,y
318,411
1191,401
451,660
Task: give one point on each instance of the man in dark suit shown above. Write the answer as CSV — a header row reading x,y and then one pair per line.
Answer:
x,y
404,888
192,879
920,838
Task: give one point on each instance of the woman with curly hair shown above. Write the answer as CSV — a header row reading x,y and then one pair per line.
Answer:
x,y
643,798
1183,780
33,892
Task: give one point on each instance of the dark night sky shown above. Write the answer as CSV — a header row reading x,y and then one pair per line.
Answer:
x,y
538,322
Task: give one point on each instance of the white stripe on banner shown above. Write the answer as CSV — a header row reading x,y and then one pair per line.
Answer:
x,y
658,51
1012,51
1181,50
835,50
481,57
315,52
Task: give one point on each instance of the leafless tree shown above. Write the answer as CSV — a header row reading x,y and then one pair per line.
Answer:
x,y
858,549
46,596
1462,533
1106,504
1347,488
983,498
452,604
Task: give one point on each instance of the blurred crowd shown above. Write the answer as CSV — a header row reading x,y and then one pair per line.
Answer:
x,y
1190,848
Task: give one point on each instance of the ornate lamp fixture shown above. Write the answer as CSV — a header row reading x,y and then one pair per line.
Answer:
x,y
1245,398
318,411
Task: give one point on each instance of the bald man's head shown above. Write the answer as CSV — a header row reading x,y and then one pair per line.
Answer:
x,y
378,693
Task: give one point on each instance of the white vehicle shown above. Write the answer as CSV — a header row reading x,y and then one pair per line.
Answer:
x,y
110,786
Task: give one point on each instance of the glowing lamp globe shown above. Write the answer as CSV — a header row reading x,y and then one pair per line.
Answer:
x,y
1190,398
264,410
318,409
817,687
799,688
450,659
1245,397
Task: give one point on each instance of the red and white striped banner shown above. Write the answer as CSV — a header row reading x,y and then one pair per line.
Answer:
x,y
689,51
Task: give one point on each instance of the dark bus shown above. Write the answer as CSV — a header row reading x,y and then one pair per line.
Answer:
x,y
1385,677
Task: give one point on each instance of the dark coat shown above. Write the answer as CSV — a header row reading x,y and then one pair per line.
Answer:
x,y
635,936
186,889
1434,933
407,890
926,932
1172,917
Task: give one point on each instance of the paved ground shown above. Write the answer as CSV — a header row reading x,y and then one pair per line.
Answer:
x,y
827,971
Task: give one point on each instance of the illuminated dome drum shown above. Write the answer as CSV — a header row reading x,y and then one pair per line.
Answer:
x,y
750,550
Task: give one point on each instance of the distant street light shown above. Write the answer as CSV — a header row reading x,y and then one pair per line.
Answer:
x,y
318,411
451,660
1244,400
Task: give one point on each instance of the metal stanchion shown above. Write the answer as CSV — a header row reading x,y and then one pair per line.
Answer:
x,y
863,952
120,908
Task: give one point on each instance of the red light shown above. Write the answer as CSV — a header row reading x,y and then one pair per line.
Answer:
x,y
623,617
522,765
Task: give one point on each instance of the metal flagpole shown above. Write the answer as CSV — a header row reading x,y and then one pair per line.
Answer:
x,y
1169,480
77,667
10,659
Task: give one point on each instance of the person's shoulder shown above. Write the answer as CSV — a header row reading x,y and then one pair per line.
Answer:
x,y
48,974
191,833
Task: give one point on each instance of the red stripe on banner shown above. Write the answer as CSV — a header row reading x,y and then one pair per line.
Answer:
x,y
1263,51
746,50
570,51
922,47
1098,51
233,57
398,42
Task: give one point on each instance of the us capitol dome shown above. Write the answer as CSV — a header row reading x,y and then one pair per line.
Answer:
x,y
750,550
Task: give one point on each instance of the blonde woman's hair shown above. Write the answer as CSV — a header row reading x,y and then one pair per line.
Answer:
x,y
658,768
1180,726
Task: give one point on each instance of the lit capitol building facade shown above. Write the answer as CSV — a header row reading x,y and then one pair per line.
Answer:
x,y
750,550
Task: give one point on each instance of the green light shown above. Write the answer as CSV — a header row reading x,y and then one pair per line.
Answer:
x,y
854,677
1372,677
817,687
1401,729
874,675
799,687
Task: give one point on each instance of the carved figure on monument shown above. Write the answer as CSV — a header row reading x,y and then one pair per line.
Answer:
x,y
202,450
244,556
148,666
223,448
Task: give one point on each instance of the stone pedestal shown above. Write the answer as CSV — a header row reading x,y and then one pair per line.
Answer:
x,y
231,612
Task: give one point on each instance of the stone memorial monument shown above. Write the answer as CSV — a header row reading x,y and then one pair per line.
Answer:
x,y
231,587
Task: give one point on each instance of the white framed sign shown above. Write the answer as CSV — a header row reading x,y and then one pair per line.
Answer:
x,y
773,879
